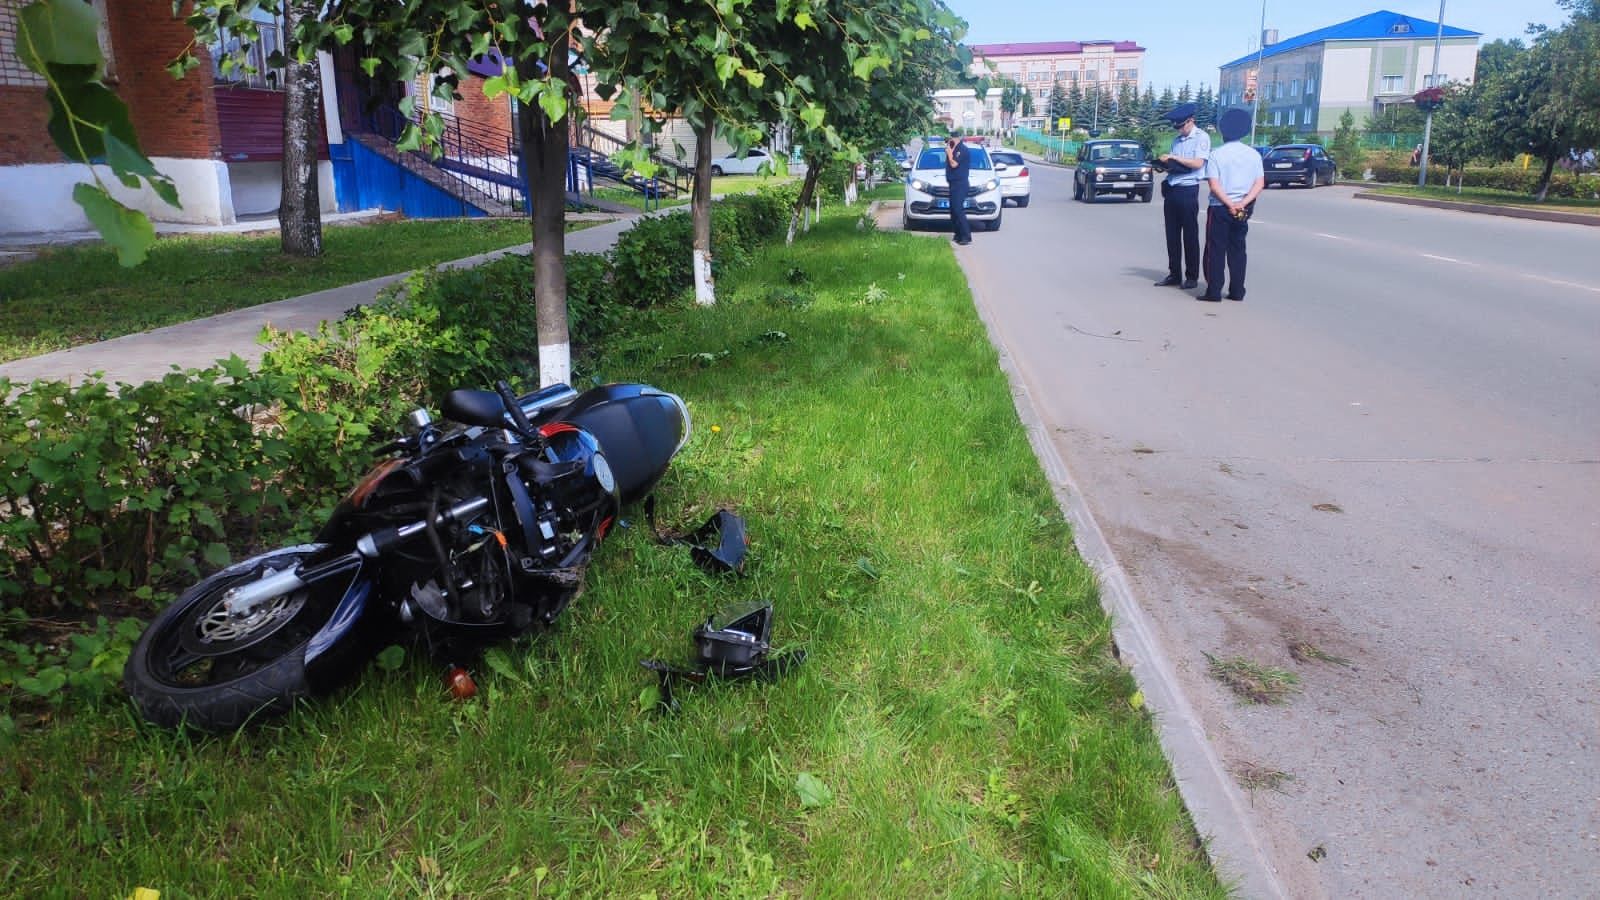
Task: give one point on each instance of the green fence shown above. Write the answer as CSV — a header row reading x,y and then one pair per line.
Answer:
x,y
1050,146
1383,140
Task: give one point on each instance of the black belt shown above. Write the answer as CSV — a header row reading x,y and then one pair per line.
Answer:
x,y
1180,187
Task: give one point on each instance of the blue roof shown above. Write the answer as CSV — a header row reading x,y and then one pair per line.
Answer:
x,y
1376,26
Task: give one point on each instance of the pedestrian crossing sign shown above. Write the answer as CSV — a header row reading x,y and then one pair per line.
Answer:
x,y
1064,123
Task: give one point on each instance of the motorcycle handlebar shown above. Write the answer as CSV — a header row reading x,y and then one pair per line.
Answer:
x,y
514,408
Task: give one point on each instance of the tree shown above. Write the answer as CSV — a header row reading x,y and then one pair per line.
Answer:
x,y
1346,147
1013,99
1206,108
1061,104
299,202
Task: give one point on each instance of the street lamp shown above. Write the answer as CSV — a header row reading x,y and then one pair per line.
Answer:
x,y
1261,49
1427,126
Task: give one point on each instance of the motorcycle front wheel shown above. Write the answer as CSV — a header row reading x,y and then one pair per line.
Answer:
x,y
199,667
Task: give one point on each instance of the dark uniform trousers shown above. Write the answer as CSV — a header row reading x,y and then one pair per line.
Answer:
x,y
1180,206
1225,245
958,210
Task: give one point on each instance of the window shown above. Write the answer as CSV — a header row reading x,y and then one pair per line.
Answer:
x,y
1392,84
1277,117
1311,86
1400,28
1294,88
1291,115
1427,80
250,69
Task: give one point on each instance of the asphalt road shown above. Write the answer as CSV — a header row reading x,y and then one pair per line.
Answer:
x,y
1390,454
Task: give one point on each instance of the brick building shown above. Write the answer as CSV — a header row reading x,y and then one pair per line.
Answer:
x,y
219,136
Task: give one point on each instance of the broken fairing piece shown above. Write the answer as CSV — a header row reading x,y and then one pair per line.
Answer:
x,y
733,643
720,545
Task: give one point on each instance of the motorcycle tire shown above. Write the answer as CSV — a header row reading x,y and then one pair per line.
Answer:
x,y
194,668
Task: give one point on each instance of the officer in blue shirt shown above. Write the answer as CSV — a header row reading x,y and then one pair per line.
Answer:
x,y
1180,197
1236,177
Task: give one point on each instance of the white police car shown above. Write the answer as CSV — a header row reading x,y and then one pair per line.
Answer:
x,y
928,194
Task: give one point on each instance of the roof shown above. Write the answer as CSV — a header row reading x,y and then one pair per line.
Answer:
x,y
1047,47
1378,26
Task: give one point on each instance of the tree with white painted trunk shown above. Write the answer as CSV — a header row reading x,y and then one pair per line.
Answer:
x,y
300,203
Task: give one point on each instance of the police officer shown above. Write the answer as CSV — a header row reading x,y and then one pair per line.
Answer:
x,y
1236,177
958,176
1180,197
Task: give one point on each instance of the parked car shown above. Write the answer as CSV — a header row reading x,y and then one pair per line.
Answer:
x,y
928,194
1013,172
1113,167
750,165
1306,164
898,154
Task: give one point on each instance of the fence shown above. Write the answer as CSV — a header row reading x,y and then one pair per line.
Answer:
x,y
1051,147
1389,140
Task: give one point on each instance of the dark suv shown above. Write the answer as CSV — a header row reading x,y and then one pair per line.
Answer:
x,y
1306,164
1113,167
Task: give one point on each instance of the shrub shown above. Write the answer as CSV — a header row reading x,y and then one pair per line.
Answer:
x,y
1503,178
127,489
651,261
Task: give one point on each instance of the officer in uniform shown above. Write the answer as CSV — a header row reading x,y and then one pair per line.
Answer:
x,y
957,175
1180,197
1235,177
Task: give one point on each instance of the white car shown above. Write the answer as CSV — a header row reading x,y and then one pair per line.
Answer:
x,y
1014,179
750,165
928,194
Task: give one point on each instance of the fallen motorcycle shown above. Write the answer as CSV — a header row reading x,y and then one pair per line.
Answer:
x,y
468,531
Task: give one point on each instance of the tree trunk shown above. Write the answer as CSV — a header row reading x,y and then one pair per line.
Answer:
x,y
1544,179
544,151
801,206
705,292
300,202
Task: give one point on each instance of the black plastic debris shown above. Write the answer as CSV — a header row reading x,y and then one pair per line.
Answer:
x,y
733,643
718,546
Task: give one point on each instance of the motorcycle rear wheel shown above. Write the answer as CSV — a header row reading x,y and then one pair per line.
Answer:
x,y
195,666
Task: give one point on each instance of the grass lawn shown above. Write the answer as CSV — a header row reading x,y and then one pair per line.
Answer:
x,y
726,184
959,728
1491,196
79,294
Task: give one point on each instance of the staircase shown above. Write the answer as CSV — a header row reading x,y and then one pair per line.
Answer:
x,y
477,165
593,164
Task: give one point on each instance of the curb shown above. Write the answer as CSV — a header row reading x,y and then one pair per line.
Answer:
x,y
1487,209
1219,811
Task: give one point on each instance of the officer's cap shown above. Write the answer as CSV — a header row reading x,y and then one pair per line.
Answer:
x,y
1234,124
1181,112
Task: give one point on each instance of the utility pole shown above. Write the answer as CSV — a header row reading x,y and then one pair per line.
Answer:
x,y
1261,49
1427,126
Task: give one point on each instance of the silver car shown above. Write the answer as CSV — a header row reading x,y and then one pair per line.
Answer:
x,y
1015,183
928,194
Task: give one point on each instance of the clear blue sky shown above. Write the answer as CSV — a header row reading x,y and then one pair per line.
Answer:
x,y
1194,39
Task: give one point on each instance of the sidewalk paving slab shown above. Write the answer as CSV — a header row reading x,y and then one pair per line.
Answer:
x,y
197,344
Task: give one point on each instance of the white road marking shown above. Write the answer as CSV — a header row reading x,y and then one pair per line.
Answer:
x,y
1562,283
1337,237
1441,258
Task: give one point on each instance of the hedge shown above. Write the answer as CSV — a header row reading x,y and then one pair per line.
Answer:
x,y
1504,178
132,488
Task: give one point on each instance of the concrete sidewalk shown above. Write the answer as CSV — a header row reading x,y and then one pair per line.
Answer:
x,y
137,358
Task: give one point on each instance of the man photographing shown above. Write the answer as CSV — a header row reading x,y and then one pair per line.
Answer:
x,y
1180,197
957,175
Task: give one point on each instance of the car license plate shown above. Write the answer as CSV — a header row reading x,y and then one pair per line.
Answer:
x,y
941,204
1281,165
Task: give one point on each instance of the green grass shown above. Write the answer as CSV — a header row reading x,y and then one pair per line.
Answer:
x,y
79,294
960,703
1491,196
894,190
726,184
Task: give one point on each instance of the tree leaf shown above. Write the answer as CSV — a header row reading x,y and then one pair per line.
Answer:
x,y
553,102
813,793
81,113
726,65
127,231
63,32
391,657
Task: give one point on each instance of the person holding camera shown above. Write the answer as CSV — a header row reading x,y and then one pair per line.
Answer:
x,y
1180,197
957,174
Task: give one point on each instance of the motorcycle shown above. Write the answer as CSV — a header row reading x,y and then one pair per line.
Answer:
x,y
468,531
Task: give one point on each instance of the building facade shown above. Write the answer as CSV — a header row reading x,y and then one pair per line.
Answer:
x,y
1363,66
1038,67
